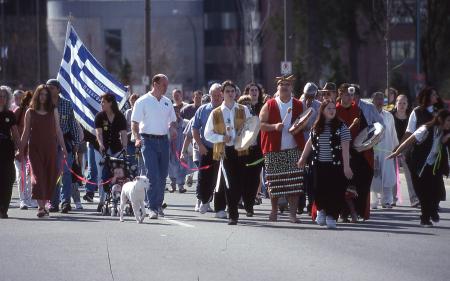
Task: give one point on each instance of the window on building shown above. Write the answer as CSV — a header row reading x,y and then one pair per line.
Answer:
x,y
229,21
256,54
401,50
401,11
113,50
212,21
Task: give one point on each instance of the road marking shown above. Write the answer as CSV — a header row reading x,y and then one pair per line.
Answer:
x,y
179,223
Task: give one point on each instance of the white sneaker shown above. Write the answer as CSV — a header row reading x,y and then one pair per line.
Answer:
x,y
32,203
331,222
153,215
23,206
320,219
210,210
197,206
221,215
204,208
78,206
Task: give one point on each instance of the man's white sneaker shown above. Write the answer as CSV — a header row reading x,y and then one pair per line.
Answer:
x,y
210,210
197,206
204,208
153,215
320,219
221,215
78,206
331,222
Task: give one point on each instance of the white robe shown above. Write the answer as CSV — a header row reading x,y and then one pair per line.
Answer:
x,y
385,177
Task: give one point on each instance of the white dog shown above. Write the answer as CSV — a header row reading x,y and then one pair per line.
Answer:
x,y
134,191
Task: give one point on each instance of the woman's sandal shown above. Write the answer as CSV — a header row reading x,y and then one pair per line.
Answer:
x,y
40,213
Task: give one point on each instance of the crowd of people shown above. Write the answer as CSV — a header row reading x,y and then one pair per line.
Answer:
x,y
303,155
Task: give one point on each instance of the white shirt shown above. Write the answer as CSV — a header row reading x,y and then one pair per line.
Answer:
x,y
421,134
287,139
228,118
412,121
154,117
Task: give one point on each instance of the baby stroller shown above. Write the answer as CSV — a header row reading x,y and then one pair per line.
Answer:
x,y
113,190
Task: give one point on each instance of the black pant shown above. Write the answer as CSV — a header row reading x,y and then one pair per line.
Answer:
x,y
235,173
362,179
220,199
251,177
207,177
428,188
7,178
330,185
309,186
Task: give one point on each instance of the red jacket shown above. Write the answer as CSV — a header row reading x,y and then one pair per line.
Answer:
x,y
271,141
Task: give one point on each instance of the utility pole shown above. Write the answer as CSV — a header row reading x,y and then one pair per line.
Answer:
x,y
386,38
148,56
285,33
252,41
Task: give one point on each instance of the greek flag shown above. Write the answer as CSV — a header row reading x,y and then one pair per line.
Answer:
x,y
83,81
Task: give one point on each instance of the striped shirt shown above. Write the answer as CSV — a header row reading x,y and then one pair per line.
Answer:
x,y
325,150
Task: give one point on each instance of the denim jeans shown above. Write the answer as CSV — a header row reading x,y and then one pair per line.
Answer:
x,y
104,173
92,169
155,152
63,190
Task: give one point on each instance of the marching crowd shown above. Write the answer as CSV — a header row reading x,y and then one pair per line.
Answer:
x,y
329,152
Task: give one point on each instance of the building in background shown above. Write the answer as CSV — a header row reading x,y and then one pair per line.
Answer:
x,y
232,41
114,32
198,42
23,42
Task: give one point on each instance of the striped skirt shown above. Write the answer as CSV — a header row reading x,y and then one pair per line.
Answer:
x,y
283,177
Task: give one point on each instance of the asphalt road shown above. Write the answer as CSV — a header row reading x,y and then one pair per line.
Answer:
x,y
186,245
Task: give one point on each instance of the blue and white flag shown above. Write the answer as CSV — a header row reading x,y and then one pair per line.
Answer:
x,y
83,81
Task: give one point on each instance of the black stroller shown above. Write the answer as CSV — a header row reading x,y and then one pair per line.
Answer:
x,y
112,200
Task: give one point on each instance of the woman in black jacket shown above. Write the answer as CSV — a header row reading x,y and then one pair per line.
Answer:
x,y
428,162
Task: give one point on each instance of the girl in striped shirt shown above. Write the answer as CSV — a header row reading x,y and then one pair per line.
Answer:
x,y
329,142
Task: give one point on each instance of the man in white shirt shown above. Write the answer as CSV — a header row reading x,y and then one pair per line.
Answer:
x,y
153,118
221,129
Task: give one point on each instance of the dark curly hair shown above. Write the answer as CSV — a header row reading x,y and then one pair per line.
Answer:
x,y
424,98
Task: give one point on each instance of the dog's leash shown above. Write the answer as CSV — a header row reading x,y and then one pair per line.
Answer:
x,y
84,179
184,164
